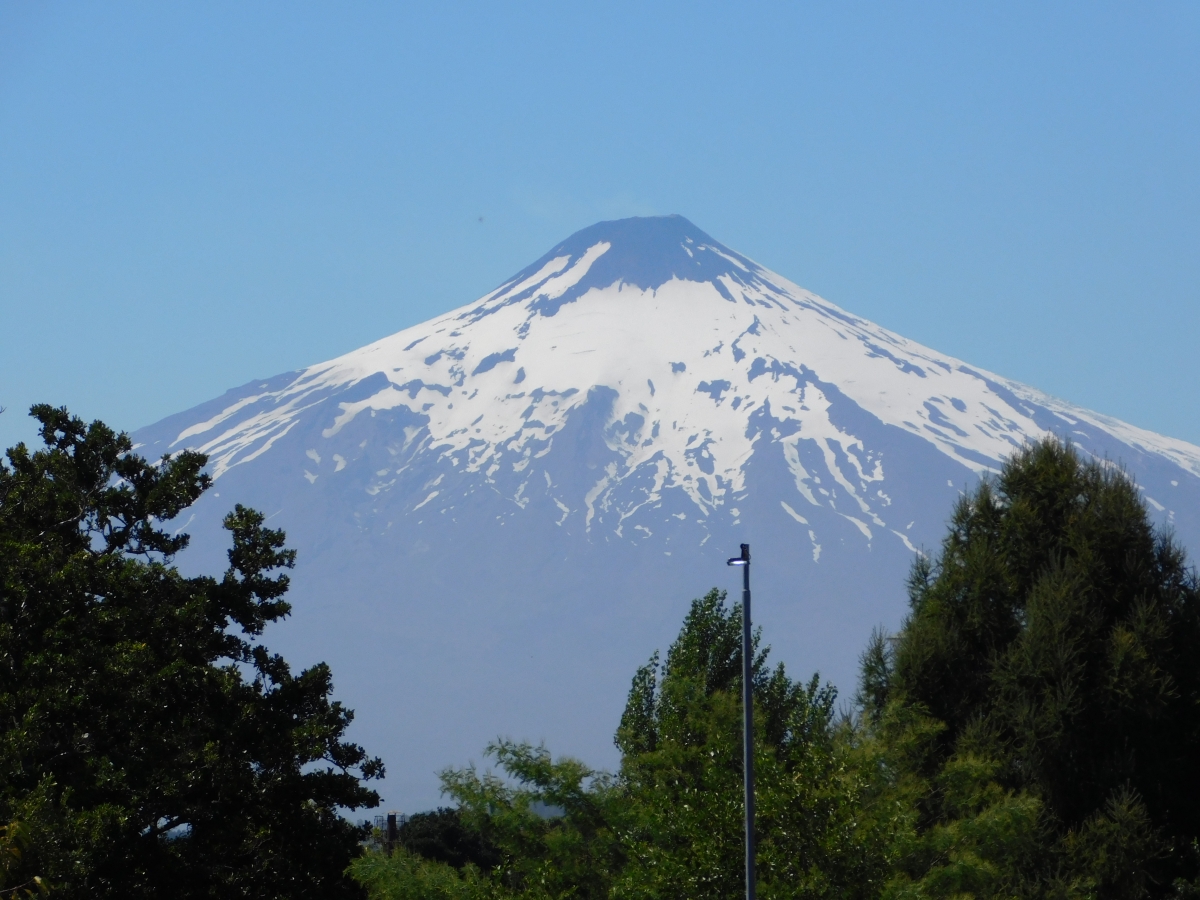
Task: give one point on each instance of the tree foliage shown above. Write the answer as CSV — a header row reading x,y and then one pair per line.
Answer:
x,y
542,828
669,823
1042,701
1033,731
149,743
17,881
555,823
441,835
404,874
681,771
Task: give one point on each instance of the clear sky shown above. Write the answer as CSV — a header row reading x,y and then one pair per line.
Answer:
x,y
196,195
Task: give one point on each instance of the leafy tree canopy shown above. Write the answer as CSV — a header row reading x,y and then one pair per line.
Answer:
x,y
441,835
1042,701
150,745
669,823
1033,731
681,772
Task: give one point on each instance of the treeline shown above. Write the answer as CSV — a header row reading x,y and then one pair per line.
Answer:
x,y
1033,730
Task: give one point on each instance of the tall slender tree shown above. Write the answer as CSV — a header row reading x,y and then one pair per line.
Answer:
x,y
681,772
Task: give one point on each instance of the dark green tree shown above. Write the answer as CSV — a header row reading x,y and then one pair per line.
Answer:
x,y
150,745
441,835
1043,696
17,882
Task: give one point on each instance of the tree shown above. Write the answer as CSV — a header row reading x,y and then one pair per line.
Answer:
x,y
16,881
149,743
681,770
404,874
538,828
554,822
440,835
1044,693
669,824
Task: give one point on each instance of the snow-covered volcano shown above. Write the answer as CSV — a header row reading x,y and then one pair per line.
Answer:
x,y
501,512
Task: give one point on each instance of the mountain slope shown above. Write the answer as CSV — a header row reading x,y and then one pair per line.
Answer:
x,y
501,512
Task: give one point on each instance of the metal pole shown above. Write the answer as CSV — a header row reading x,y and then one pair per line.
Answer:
x,y
748,721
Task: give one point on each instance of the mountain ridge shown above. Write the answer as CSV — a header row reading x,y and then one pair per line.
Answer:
x,y
581,446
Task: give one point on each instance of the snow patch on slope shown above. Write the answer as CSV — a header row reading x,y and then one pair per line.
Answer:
x,y
702,375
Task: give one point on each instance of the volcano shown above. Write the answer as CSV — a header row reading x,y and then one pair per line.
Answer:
x,y
502,512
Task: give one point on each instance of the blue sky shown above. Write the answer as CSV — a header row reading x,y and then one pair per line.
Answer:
x,y
196,195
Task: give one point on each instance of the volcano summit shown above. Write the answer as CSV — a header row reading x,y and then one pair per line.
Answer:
x,y
500,513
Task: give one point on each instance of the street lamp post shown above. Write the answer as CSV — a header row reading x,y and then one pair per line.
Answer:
x,y
747,715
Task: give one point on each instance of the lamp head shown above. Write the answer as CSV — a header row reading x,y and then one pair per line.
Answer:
x,y
743,560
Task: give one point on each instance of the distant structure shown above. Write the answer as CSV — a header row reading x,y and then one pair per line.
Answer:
x,y
387,829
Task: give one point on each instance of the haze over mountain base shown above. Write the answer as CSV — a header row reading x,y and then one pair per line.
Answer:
x,y
504,511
